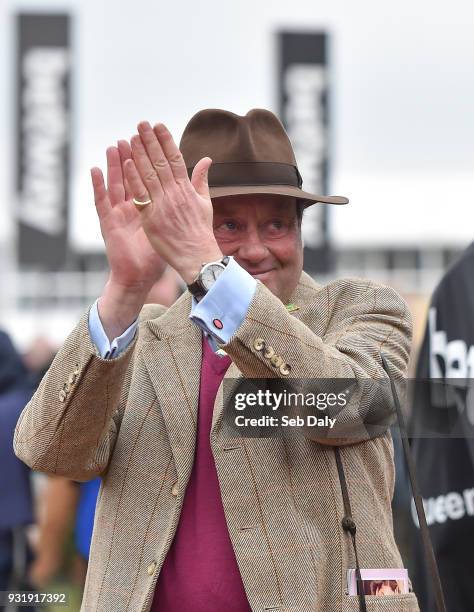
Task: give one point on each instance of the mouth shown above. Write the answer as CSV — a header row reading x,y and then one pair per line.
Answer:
x,y
262,275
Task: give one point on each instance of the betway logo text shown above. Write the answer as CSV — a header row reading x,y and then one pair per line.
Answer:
x,y
452,506
453,359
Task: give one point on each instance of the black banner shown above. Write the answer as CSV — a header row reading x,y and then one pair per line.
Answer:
x,y
43,75
303,109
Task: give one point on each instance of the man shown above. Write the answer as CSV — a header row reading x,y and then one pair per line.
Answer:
x,y
442,428
189,518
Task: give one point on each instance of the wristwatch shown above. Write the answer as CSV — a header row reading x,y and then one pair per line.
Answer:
x,y
207,277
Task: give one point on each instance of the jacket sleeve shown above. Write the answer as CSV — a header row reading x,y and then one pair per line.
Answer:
x,y
70,425
348,324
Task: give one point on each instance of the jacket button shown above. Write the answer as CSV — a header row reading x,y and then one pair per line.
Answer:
x,y
285,369
276,361
174,489
258,344
269,352
151,568
62,395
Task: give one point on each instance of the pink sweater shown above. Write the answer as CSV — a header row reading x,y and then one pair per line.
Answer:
x,y
200,572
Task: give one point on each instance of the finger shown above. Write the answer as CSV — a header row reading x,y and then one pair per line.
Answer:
x,y
101,197
125,153
172,152
115,185
137,187
156,155
199,179
145,170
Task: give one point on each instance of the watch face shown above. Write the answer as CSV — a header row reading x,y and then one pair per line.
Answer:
x,y
210,273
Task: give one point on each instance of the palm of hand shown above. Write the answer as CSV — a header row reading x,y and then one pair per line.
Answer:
x,y
133,262
132,258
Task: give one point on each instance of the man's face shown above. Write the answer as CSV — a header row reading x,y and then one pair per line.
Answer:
x,y
263,235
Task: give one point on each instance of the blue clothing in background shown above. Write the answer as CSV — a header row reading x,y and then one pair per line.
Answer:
x,y
15,490
85,515
15,393
13,374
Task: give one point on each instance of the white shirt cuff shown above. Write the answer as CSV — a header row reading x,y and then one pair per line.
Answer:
x,y
224,307
108,350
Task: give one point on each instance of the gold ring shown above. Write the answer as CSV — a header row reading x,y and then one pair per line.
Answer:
x,y
138,203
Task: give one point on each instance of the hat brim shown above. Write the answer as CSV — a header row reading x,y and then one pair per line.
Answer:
x,y
284,190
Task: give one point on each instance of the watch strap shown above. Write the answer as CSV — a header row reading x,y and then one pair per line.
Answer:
x,y
196,289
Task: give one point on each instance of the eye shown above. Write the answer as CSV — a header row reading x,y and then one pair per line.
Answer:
x,y
276,228
227,226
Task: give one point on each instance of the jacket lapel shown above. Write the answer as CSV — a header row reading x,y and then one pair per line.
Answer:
x,y
231,380
172,357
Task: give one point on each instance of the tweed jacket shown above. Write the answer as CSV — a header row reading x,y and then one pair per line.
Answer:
x,y
132,420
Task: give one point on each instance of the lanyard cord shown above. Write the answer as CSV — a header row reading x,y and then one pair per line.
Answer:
x,y
349,526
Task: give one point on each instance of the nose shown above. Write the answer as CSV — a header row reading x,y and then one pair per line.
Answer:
x,y
252,250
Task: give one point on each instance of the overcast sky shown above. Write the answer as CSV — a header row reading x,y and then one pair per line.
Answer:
x,y
402,98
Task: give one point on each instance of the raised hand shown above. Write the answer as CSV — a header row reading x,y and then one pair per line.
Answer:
x,y
134,264
178,221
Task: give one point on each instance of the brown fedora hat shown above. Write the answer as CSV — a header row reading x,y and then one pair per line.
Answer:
x,y
251,154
